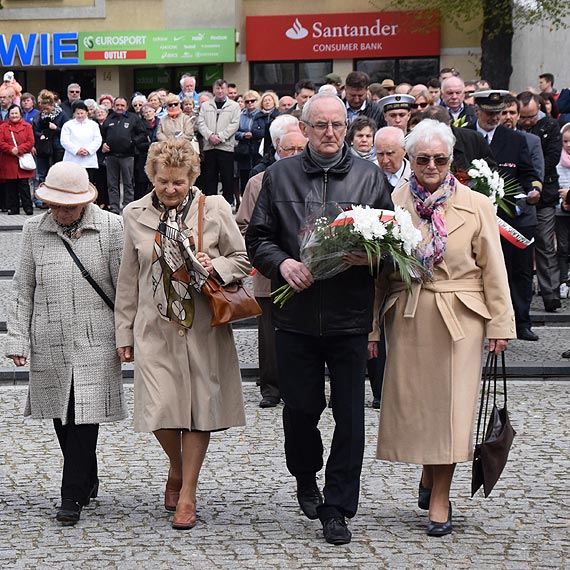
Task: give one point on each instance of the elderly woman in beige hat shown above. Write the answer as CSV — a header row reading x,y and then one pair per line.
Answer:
x,y
65,327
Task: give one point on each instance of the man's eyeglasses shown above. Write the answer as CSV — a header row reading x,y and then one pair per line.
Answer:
x,y
293,149
173,104
337,126
423,160
250,101
528,117
419,105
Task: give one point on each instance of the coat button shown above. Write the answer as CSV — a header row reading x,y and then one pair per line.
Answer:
x,y
180,332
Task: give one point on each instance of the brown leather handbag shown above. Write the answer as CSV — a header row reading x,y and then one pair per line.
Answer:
x,y
229,303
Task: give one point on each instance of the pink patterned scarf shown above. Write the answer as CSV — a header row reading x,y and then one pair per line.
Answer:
x,y
430,207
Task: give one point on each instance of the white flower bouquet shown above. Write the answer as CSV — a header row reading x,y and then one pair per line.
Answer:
x,y
378,233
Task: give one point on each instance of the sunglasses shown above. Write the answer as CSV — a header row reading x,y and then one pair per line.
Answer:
x,y
437,160
73,91
250,101
419,105
173,104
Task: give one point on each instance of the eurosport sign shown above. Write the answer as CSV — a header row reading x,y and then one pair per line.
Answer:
x,y
343,36
116,48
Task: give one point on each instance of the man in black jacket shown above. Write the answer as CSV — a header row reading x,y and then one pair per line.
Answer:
x,y
548,130
327,322
122,133
357,101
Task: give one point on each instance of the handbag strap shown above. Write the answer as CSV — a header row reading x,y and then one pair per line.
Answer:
x,y
485,389
201,202
87,275
13,138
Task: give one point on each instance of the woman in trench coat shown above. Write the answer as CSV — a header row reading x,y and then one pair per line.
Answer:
x,y
66,328
435,334
187,379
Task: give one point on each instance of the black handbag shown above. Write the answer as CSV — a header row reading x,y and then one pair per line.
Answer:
x,y
492,450
44,147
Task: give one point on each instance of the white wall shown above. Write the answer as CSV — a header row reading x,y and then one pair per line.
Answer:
x,y
539,50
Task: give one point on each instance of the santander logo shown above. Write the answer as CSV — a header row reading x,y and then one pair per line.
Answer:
x,y
296,31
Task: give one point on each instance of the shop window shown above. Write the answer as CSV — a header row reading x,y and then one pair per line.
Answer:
x,y
282,76
409,70
147,79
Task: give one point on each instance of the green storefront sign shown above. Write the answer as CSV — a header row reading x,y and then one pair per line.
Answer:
x,y
157,47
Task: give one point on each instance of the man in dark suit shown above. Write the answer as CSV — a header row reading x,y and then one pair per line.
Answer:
x,y
453,97
511,152
548,130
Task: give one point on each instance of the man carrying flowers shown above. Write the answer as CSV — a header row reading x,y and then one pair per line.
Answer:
x,y
327,322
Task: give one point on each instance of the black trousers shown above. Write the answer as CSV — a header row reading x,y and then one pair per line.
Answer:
x,y
268,382
375,367
78,444
218,165
301,360
18,189
519,264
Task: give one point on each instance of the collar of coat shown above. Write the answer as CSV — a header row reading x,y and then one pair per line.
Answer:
x,y
340,168
91,221
146,214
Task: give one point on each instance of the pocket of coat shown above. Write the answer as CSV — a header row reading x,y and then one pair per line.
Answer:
x,y
474,302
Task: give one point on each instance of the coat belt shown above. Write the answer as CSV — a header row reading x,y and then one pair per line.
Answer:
x,y
444,292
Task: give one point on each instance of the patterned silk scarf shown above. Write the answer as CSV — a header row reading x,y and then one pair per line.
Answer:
x,y
173,279
430,207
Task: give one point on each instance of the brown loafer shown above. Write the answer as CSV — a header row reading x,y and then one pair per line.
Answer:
x,y
172,493
185,516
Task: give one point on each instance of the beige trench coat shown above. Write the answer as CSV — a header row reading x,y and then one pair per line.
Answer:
x,y
184,378
435,337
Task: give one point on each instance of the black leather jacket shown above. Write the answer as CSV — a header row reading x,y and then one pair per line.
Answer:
x,y
293,188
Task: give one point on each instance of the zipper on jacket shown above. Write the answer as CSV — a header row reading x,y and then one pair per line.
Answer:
x,y
325,183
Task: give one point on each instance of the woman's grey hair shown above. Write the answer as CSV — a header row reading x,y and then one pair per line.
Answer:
x,y
102,108
306,113
90,103
279,127
427,131
138,99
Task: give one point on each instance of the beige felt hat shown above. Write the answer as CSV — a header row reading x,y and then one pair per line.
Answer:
x,y
66,184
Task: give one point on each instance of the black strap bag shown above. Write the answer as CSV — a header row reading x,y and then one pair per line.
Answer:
x,y
491,448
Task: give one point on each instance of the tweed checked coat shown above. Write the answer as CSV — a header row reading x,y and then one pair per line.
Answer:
x,y
184,378
434,337
63,324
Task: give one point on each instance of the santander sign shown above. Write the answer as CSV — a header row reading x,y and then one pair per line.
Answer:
x,y
320,30
343,36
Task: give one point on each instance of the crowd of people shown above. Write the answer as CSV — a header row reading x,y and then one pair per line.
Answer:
x,y
149,196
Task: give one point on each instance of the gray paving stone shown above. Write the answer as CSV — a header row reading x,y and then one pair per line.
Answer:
x,y
248,517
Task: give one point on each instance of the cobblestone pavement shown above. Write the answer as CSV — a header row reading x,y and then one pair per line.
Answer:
x,y
248,518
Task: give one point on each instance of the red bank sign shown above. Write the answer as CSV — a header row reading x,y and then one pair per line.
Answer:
x,y
342,36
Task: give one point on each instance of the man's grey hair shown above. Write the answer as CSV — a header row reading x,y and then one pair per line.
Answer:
x,y
428,131
391,132
75,85
446,81
279,127
306,113
186,76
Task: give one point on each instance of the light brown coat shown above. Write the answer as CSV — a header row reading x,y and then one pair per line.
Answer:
x,y
184,378
435,337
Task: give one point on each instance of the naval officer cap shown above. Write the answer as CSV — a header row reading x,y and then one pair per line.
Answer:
x,y
490,100
398,101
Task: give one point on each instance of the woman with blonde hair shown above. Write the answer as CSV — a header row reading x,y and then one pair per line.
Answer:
x,y
423,99
187,378
268,111
175,124
248,137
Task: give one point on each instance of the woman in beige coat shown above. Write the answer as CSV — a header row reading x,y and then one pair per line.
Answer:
x,y
187,379
435,335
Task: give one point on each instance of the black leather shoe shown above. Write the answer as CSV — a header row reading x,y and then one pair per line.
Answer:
x,y
13,212
69,512
335,531
550,305
566,354
440,528
29,212
526,334
376,403
309,497
269,402
424,497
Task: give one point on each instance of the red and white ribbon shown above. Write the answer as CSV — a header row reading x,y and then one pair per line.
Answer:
x,y
513,236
